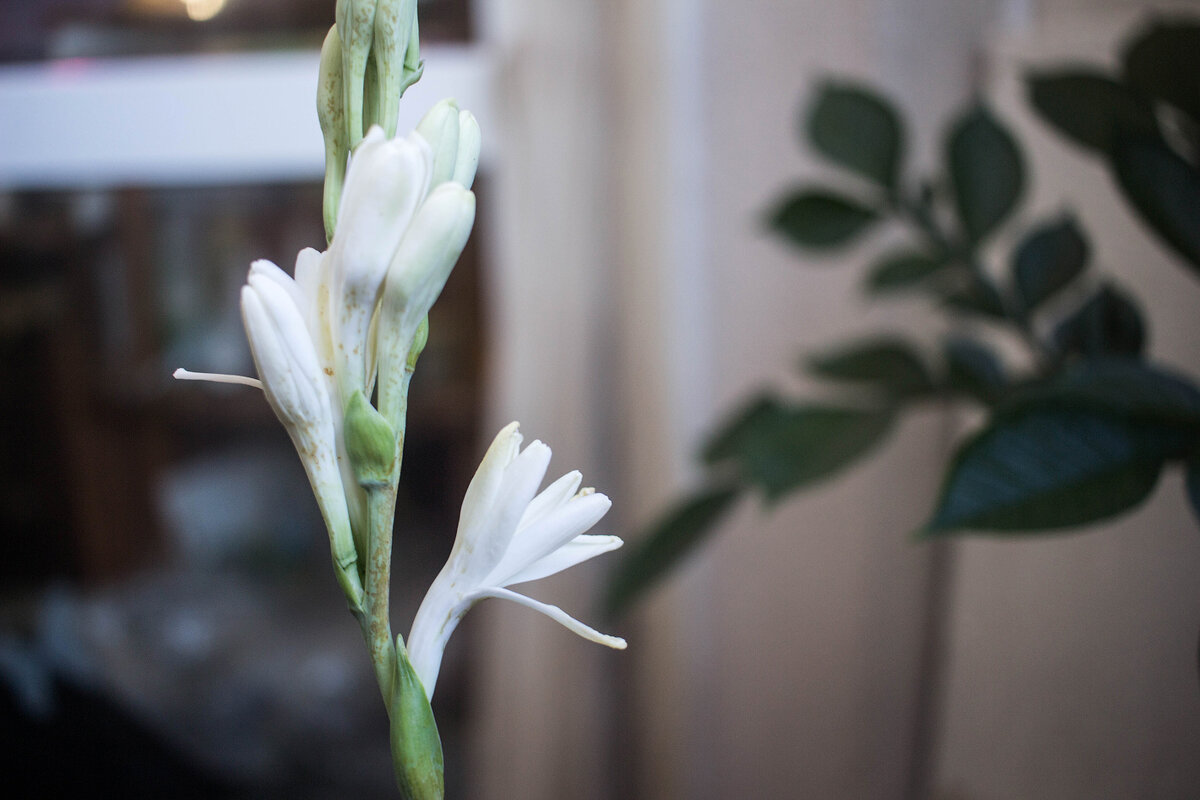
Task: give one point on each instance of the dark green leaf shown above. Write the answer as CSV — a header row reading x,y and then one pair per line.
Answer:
x,y
973,369
1108,324
891,364
1037,468
902,270
1192,482
986,170
781,449
1127,387
1090,108
1047,260
816,218
1165,191
980,297
665,544
732,437
1164,62
859,130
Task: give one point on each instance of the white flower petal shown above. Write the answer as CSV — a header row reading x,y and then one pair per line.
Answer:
x,y
262,269
481,492
550,498
423,261
549,533
469,141
384,185
285,388
576,551
436,619
439,127
558,615
483,547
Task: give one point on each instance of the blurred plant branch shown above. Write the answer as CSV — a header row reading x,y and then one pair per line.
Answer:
x,y
1082,430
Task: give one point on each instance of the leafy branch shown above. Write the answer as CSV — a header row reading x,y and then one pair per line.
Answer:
x,y
1078,430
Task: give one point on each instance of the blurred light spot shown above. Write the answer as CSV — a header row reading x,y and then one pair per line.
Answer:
x,y
201,10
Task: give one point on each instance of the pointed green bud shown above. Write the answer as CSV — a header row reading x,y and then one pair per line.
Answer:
x,y
356,27
393,27
370,443
416,746
331,115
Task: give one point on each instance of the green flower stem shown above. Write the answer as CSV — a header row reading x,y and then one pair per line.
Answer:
x,y
377,626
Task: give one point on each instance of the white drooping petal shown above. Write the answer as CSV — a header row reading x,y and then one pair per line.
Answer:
x,y
469,143
576,551
558,615
283,352
547,534
439,127
262,269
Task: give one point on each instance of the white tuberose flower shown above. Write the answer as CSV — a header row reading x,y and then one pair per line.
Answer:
x,y
506,535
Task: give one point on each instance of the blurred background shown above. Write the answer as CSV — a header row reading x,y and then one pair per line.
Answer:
x,y
167,612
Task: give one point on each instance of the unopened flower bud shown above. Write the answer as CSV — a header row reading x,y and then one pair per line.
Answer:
x,y
439,127
370,444
469,141
356,27
331,115
416,746
393,26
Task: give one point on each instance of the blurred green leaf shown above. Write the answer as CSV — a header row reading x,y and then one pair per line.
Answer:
x,y
1164,62
1090,108
902,270
981,298
1165,191
1048,259
859,130
730,439
1037,468
893,365
1108,324
781,448
973,369
1125,386
817,219
986,170
664,545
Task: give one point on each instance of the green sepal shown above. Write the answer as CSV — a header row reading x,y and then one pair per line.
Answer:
x,y
420,339
370,443
416,746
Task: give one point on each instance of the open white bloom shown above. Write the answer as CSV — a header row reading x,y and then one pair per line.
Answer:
x,y
507,535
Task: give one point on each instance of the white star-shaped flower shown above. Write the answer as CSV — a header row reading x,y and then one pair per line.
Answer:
x,y
507,535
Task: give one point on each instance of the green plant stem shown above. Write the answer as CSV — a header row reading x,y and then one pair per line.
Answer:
x,y
376,622
918,216
381,512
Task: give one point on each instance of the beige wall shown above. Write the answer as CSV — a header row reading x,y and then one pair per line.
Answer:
x,y
637,298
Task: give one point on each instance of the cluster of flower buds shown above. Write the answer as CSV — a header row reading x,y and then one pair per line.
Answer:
x,y
335,347
370,57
